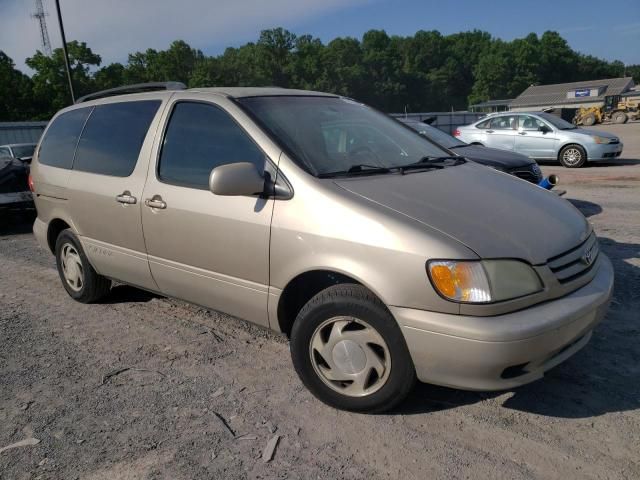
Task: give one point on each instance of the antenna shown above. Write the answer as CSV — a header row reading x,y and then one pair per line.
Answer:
x,y
40,14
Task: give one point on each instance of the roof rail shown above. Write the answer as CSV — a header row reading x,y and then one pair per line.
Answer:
x,y
137,88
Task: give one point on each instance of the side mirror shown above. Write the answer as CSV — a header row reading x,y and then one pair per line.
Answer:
x,y
544,129
236,179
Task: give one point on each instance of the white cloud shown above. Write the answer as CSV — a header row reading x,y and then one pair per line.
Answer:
x,y
114,28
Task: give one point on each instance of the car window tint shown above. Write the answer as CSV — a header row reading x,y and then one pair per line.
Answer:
x,y
504,123
527,122
4,152
199,138
112,139
484,124
59,144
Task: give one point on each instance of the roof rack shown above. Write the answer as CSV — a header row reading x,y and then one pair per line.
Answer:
x,y
137,88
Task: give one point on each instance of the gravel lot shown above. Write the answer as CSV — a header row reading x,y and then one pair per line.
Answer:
x,y
204,393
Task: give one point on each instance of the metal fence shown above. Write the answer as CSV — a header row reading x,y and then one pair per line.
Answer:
x,y
21,132
445,121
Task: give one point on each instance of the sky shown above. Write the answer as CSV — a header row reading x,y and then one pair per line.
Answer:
x,y
115,28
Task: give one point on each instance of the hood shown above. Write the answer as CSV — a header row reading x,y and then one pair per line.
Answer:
x,y
492,213
502,159
588,131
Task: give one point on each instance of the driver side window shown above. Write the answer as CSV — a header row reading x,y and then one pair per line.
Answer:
x,y
199,138
527,122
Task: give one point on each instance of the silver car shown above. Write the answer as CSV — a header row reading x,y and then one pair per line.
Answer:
x,y
383,257
542,136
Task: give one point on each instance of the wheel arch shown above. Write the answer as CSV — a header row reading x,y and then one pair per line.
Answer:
x,y
54,228
304,286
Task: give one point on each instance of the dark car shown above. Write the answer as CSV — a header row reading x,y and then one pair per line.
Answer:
x,y
509,162
15,162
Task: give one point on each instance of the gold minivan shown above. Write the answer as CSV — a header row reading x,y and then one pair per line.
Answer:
x,y
383,256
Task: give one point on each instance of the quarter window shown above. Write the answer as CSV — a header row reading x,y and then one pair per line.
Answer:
x,y
112,139
199,138
59,144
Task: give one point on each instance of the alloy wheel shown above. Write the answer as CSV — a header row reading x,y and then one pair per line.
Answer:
x,y
572,156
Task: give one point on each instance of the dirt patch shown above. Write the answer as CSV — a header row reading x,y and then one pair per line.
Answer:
x,y
199,394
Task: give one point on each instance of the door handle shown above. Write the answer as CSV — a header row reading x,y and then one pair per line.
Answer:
x,y
522,133
156,202
126,198
489,131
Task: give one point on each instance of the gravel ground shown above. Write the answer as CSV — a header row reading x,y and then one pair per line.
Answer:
x,y
204,393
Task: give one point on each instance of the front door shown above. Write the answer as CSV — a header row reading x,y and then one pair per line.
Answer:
x,y
207,249
501,132
533,142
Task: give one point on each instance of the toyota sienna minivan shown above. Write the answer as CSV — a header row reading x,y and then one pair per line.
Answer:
x,y
383,257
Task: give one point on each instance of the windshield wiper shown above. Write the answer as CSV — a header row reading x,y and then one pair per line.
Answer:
x,y
430,162
360,169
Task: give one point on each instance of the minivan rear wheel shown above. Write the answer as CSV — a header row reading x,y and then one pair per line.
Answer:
x,y
78,277
572,156
349,351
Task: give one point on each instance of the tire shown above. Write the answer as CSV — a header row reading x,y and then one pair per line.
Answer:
x,y
572,156
589,119
78,277
364,342
619,117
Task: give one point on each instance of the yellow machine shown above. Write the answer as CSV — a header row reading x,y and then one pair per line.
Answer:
x,y
616,108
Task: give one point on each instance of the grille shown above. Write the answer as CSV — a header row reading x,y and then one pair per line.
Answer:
x,y
576,262
531,174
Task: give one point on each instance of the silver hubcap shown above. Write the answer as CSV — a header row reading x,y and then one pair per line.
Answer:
x,y
350,356
72,267
572,156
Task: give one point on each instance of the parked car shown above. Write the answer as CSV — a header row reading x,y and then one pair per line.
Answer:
x,y
513,163
14,173
380,255
22,151
542,136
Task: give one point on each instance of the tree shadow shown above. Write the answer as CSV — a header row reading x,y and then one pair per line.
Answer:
x,y
617,162
588,209
601,378
17,222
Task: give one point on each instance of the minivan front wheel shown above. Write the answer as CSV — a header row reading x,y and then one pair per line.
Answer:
x,y
572,156
78,277
349,351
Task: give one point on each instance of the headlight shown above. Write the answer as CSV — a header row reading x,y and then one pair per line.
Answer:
x,y
599,139
483,281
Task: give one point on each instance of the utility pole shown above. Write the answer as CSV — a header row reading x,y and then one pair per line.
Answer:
x,y
66,53
40,15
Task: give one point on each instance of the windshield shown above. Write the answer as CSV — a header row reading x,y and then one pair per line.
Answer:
x,y
436,135
330,134
21,151
557,121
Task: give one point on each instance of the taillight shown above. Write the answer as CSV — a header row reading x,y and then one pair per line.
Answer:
x,y
456,133
30,183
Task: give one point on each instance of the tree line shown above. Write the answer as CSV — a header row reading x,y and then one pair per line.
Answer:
x,y
424,72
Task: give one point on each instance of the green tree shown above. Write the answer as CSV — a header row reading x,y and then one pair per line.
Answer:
x,y
50,86
16,101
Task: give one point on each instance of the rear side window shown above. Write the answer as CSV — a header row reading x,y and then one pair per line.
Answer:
x,y
112,139
59,144
199,138
484,124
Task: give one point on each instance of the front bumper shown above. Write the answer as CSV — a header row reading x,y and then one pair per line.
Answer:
x,y
604,152
504,351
